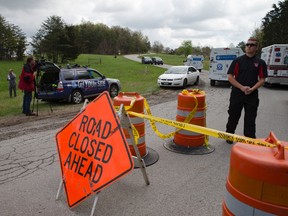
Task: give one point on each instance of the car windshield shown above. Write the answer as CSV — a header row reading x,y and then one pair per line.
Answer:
x,y
176,70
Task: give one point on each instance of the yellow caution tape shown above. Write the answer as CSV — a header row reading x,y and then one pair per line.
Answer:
x,y
187,119
134,130
197,91
135,133
190,127
204,130
153,125
192,93
132,102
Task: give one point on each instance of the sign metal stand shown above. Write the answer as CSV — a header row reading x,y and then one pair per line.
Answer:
x,y
125,123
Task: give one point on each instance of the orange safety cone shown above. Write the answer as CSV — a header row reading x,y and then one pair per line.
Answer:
x,y
257,183
191,109
136,104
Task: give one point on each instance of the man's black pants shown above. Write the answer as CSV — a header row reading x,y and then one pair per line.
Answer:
x,y
238,100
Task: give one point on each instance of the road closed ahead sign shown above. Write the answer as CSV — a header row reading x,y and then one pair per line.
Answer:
x,y
93,151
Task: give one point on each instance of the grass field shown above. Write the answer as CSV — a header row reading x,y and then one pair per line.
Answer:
x,y
134,77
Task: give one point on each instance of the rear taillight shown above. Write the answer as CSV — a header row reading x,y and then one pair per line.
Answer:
x,y
60,86
277,60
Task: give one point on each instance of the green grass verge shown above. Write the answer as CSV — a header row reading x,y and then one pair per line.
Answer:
x,y
134,77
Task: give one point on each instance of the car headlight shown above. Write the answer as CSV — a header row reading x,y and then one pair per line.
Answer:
x,y
178,79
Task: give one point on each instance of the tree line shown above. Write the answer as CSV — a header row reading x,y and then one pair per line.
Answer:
x,y
12,41
60,42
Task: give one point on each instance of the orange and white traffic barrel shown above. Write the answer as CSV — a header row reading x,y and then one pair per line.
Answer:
x,y
257,183
191,108
135,102
188,101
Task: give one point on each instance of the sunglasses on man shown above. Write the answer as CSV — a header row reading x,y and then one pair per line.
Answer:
x,y
250,44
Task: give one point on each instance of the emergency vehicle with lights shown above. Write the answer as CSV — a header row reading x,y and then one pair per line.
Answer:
x,y
276,58
195,60
220,61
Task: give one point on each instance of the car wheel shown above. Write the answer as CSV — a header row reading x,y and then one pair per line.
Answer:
x,y
184,83
113,91
197,81
212,82
76,97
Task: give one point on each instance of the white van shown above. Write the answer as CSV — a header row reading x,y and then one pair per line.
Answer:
x,y
220,60
195,61
276,58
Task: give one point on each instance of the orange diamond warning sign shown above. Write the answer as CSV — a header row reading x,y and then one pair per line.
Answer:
x,y
93,151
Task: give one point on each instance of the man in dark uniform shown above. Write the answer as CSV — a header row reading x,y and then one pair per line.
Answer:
x,y
246,74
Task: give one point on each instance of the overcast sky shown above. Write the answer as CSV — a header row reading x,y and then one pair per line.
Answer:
x,y
204,22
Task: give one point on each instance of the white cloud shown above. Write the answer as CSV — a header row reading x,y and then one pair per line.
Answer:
x,y
206,22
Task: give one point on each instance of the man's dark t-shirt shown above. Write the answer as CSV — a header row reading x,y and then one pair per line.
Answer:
x,y
247,70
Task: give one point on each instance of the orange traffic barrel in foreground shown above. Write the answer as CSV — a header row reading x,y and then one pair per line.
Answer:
x,y
191,108
257,183
136,103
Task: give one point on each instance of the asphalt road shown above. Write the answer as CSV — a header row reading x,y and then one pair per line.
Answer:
x,y
179,184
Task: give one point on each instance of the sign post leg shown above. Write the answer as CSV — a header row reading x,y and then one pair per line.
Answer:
x,y
126,123
59,189
94,205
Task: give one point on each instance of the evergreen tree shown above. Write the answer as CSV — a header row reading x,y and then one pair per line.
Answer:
x,y
274,25
12,41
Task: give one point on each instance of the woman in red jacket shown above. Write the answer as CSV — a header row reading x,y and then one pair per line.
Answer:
x,y
27,85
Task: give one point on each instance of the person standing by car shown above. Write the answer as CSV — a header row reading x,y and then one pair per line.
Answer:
x,y
27,84
246,74
11,78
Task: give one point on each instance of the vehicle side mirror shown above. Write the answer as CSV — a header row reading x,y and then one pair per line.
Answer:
x,y
103,77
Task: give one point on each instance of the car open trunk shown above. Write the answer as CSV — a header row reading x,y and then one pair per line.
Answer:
x,y
48,77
